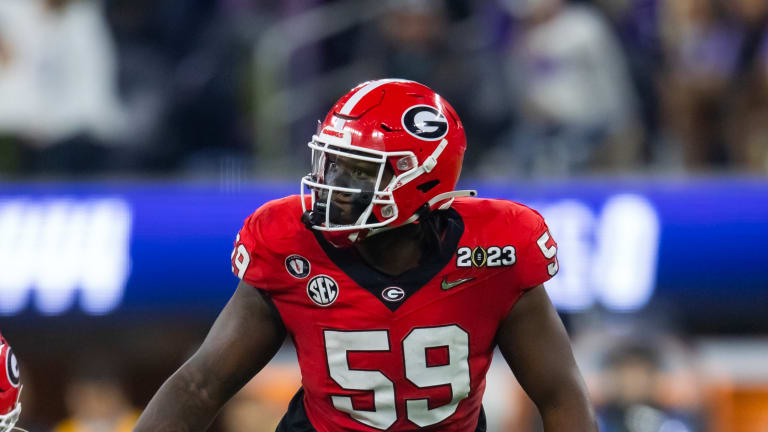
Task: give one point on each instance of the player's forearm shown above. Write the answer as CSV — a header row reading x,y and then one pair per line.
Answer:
x,y
571,412
182,404
562,421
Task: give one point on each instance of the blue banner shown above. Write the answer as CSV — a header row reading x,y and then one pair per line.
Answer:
x,y
109,248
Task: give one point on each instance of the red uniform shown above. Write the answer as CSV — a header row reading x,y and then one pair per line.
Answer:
x,y
396,353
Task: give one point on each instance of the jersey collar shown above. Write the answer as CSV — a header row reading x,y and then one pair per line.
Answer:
x,y
375,282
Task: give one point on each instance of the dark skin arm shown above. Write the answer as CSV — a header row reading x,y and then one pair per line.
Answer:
x,y
534,343
245,336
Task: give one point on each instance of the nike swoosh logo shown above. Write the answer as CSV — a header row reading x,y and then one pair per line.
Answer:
x,y
450,285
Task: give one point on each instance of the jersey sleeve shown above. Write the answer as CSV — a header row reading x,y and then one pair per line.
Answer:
x,y
537,258
252,260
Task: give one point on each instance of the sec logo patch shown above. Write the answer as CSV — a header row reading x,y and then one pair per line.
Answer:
x,y
323,290
297,266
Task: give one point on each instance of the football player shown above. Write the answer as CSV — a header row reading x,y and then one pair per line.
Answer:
x,y
10,387
394,287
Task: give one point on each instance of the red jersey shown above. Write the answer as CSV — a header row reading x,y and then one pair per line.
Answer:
x,y
396,353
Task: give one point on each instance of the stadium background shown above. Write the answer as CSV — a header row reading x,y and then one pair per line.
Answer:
x,y
136,135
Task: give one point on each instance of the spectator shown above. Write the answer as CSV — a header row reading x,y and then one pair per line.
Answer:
x,y
633,372
260,405
184,73
575,103
96,402
57,83
702,50
748,130
429,41
636,22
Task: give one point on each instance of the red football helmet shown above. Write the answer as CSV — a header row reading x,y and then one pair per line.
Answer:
x,y
10,387
388,152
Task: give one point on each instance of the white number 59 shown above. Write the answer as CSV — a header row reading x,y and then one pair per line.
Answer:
x,y
240,258
549,252
384,415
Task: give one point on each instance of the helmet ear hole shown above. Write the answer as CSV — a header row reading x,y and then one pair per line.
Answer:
x,y
406,163
427,186
388,211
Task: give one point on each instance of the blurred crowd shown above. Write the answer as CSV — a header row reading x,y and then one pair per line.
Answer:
x,y
235,87
641,378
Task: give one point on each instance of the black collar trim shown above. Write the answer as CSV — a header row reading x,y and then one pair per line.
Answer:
x,y
375,282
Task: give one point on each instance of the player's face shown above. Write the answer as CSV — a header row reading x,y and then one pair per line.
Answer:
x,y
346,172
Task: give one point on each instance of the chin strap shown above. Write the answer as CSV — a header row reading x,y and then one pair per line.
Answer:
x,y
354,236
426,208
450,196
430,163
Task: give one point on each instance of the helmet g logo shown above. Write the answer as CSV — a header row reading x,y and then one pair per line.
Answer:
x,y
425,122
12,368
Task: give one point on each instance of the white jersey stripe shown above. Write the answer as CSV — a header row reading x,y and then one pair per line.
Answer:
x,y
338,123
